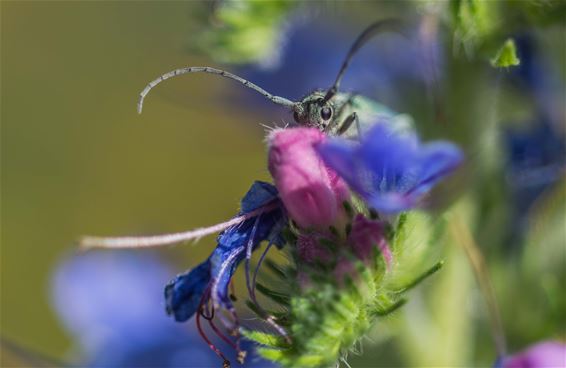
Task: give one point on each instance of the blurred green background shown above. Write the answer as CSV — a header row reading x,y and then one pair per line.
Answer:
x,y
77,159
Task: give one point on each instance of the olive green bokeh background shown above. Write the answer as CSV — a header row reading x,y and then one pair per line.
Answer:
x,y
77,158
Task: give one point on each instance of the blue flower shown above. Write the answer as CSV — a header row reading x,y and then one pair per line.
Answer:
x,y
111,303
390,170
187,292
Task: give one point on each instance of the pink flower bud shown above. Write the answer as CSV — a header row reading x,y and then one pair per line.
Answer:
x,y
344,268
310,249
311,192
367,234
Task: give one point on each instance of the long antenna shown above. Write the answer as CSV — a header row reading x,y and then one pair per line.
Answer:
x,y
374,29
204,69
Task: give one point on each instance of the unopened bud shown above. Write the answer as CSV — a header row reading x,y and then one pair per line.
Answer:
x,y
311,192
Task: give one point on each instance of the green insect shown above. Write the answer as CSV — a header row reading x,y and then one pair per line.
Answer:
x,y
331,111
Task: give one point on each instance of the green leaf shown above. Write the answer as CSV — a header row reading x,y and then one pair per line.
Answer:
x,y
277,297
246,31
474,21
262,313
506,56
275,268
390,309
437,266
254,308
262,338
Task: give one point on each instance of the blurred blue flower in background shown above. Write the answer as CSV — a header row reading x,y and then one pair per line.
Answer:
x,y
112,304
537,159
536,76
536,154
315,49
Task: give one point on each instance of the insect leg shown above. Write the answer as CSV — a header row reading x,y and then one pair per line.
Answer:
x,y
358,128
347,123
339,112
347,103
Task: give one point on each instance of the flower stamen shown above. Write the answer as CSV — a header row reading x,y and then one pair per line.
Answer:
x,y
221,334
226,362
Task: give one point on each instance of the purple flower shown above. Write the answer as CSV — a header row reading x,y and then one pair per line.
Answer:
x,y
542,355
392,171
210,280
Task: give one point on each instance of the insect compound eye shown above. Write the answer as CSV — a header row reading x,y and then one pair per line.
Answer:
x,y
296,116
326,113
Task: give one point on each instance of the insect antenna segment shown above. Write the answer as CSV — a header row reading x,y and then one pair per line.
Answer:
x,y
205,69
372,30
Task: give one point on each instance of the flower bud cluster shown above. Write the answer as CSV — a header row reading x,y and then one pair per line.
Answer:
x,y
342,252
324,211
318,200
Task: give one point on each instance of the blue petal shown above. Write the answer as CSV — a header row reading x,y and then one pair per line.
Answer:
x,y
340,155
184,293
261,193
390,170
392,202
231,248
389,156
438,160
